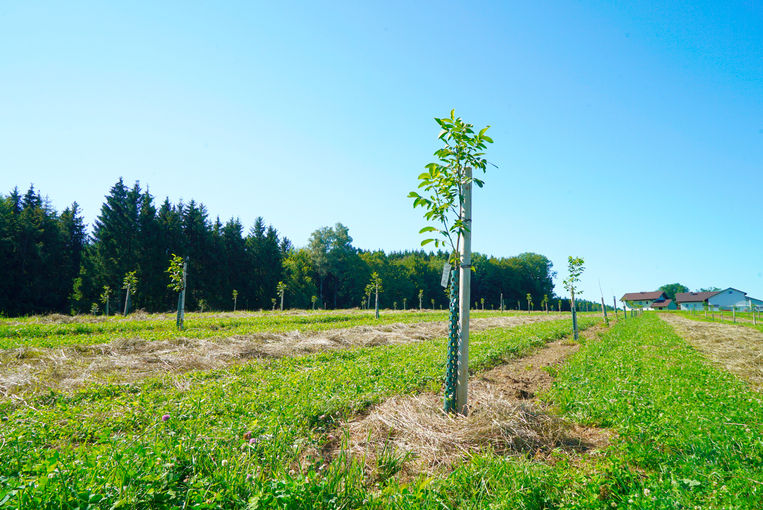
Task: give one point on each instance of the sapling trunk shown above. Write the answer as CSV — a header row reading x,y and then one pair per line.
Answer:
x,y
376,305
282,301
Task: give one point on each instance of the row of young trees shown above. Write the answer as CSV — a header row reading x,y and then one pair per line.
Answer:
x,y
50,264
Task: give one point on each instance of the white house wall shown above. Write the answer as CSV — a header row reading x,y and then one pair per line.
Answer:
x,y
728,299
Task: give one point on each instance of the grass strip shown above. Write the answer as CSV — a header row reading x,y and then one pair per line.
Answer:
x,y
689,436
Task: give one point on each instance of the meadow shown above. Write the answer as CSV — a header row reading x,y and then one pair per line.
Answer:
x,y
273,432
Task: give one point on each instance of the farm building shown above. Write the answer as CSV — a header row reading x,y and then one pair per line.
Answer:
x,y
668,304
645,300
721,300
731,298
693,300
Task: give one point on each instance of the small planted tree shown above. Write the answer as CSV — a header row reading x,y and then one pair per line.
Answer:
x,y
421,298
235,299
482,303
575,269
432,302
177,271
94,309
130,285
281,290
544,303
367,292
529,303
404,302
559,305
376,285
202,305
313,300
446,198
106,298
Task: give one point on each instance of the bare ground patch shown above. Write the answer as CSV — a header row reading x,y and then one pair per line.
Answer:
x,y
29,370
411,434
738,349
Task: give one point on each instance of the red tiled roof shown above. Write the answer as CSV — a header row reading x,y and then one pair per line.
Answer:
x,y
662,304
642,296
694,297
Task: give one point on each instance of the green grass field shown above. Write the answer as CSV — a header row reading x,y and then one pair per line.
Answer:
x,y
743,318
687,434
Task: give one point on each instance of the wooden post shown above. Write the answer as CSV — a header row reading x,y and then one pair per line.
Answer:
x,y
376,306
501,301
574,315
614,303
464,291
604,311
181,297
127,299
734,314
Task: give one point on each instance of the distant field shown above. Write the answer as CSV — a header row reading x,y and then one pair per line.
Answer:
x,y
61,330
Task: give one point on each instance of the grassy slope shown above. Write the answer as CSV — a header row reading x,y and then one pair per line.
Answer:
x,y
30,332
690,435
107,446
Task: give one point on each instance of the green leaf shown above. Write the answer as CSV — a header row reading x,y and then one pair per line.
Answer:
x,y
426,241
427,229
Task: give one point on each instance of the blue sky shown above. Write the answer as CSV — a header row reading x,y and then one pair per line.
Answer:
x,y
628,134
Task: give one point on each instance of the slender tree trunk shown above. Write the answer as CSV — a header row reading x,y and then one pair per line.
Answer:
x,y
282,301
376,306
107,307
501,301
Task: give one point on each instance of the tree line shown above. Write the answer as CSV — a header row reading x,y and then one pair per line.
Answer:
x,y
51,264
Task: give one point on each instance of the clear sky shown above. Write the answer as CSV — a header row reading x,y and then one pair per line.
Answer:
x,y
628,134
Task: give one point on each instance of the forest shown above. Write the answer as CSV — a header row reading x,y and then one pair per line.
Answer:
x,y
51,263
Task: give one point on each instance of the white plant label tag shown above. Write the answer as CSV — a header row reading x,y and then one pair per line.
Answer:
x,y
445,275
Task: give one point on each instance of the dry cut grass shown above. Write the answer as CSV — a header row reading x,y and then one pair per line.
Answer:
x,y
26,370
738,349
412,434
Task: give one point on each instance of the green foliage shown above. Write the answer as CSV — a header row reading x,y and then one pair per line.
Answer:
x,y
445,181
130,282
671,289
106,294
575,270
375,284
175,272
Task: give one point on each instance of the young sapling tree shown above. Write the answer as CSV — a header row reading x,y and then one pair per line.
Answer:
x,y
94,309
376,285
273,302
281,289
575,269
235,299
106,298
529,303
313,300
177,272
130,285
544,302
446,198
404,303
482,303
421,298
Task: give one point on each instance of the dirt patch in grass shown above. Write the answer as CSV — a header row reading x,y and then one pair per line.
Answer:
x,y
26,370
738,349
411,434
